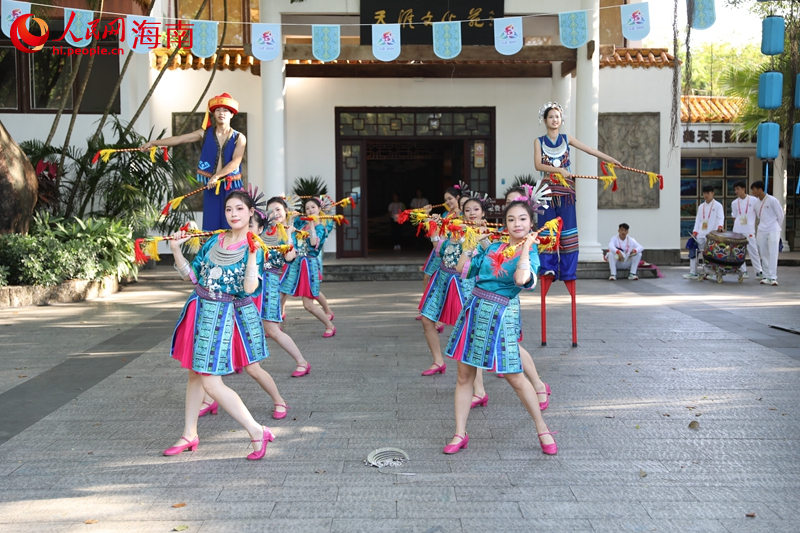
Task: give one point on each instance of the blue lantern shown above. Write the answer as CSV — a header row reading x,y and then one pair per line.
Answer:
x,y
797,92
770,90
767,144
796,141
772,33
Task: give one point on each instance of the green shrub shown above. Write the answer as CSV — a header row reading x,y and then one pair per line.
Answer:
x,y
3,275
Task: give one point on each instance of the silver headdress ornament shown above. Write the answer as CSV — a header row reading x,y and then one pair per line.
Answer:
x,y
258,198
548,105
487,202
537,197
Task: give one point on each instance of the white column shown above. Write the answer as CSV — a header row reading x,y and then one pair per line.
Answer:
x,y
778,177
587,103
273,126
561,88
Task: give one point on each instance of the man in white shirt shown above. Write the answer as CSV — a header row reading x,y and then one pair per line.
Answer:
x,y
710,217
419,201
770,219
623,252
743,213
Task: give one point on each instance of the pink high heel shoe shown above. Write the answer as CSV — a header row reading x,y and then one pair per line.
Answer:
x,y
440,329
300,373
438,370
329,334
455,448
278,416
545,404
212,408
419,317
330,317
266,437
480,401
190,445
549,449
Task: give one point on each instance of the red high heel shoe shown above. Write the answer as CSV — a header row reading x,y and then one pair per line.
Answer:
x,y
480,401
438,370
549,449
278,416
266,437
329,334
455,448
212,408
331,317
440,329
300,373
190,445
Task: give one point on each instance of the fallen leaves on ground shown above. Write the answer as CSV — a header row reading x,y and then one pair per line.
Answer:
x,y
694,424
180,528
750,515
90,521
642,473
182,504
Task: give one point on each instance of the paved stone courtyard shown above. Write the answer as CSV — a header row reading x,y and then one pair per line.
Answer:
x,y
89,398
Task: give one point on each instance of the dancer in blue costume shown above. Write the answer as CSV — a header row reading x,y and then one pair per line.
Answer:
x,y
447,289
552,156
485,336
219,330
329,225
452,195
271,284
220,156
301,277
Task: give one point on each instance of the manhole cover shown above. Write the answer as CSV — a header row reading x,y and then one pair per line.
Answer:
x,y
383,457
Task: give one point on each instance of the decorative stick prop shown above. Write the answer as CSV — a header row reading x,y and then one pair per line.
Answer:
x,y
255,242
105,153
608,170
339,219
404,216
147,248
607,180
175,202
500,257
348,201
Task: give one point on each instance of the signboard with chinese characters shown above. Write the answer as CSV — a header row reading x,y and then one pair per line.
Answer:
x,y
416,18
714,136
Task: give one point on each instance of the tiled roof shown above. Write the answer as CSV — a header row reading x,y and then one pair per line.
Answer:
x,y
638,58
715,109
232,59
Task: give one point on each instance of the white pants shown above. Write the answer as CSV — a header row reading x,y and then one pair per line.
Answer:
x,y
752,251
768,248
613,263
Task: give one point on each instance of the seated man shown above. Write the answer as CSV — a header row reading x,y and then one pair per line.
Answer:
x,y
710,217
623,252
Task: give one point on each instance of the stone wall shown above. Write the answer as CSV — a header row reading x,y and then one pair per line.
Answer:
x,y
75,290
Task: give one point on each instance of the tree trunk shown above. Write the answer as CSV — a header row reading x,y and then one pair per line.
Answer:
x,y
76,68
18,186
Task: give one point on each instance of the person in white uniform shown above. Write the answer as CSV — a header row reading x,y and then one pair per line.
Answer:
x,y
710,217
743,213
770,219
623,252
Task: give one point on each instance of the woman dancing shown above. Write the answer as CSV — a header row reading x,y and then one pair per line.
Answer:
x,y
301,277
219,329
271,295
452,195
445,294
485,336
551,156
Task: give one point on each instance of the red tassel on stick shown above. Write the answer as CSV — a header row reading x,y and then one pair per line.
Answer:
x,y
251,243
96,157
166,153
140,257
660,182
605,171
614,187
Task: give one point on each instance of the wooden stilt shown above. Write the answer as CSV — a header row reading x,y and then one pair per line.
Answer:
x,y
545,281
571,288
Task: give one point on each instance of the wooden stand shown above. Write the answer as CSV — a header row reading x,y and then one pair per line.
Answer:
x,y
546,282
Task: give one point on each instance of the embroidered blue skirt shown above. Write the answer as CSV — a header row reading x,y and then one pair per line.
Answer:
x,y
218,335
433,262
301,278
271,296
485,335
443,297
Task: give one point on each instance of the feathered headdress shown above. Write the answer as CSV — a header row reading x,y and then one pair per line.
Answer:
x,y
537,197
548,105
259,200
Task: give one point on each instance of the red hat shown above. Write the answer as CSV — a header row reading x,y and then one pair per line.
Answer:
x,y
223,100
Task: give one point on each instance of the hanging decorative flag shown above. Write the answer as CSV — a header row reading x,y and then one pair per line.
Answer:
x,y
266,41
508,39
204,37
143,34
635,21
325,41
447,39
11,11
80,33
704,14
386,41
573,28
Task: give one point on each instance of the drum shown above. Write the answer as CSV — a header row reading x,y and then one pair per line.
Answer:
x,y
725,248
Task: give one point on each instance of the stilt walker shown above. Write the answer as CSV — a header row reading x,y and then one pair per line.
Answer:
x,y
552,159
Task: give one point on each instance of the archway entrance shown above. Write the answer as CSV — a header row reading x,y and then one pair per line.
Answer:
x,y
385,150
